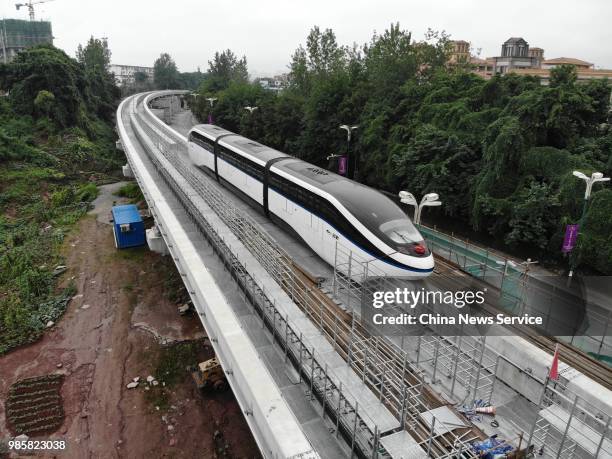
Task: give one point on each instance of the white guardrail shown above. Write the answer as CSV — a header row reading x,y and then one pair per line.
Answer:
x,y
274,427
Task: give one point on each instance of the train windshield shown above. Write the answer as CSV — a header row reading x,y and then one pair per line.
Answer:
x,y
401,231
376,212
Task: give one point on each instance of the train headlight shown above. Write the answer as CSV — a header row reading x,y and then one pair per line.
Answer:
x,y
418,249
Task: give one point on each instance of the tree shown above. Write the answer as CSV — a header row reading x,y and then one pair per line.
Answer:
x,y
140,77
165,72
563,75
224,69
44,102
96,55
46,68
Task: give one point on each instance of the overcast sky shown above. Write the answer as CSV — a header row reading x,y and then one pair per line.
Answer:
x,y
267,32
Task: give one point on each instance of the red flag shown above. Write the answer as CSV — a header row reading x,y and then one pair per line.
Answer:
x,y
554,368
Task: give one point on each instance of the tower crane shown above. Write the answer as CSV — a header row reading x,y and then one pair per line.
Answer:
x,y
30,4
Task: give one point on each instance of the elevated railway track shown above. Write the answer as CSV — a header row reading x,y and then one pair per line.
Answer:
x,y
378,363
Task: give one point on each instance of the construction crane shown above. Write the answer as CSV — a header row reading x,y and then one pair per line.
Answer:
x,y
30,6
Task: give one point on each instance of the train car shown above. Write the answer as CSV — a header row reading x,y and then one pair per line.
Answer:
x,y
323,208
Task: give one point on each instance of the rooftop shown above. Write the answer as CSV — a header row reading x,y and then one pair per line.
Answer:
x,y
515,40
568,61
126,214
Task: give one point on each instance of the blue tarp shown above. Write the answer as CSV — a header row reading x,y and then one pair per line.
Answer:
x,y
492,446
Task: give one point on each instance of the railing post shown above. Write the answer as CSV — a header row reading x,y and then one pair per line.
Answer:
x,y
301,351
335,280
569,421
479,369
437,350
603,436
324,394
431,435
348,290
338,410
403,410
375,443
455,364
354,429
312,373
286,336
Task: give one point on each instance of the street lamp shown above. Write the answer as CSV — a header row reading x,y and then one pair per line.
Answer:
x,y
409,199
251,109
590,181
429,200
211,101
349,130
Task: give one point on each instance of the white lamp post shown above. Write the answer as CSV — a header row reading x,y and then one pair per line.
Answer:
x,y
590,181
408,198
211,101
429,200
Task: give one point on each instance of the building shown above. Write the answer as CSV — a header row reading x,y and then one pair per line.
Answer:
x,y
537,53
461,55
585,71
515,54
17,35
461,52
125,74
579,64
276,83
517,57
583,75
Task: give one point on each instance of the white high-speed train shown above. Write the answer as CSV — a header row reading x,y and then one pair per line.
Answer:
x,y
320,206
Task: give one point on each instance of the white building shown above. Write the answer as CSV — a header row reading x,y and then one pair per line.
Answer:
x,y
124,74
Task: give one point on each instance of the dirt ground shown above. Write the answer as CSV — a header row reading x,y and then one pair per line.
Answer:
x,y
115,329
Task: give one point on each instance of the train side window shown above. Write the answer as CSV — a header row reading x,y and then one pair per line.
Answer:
x,y
241,163
202,141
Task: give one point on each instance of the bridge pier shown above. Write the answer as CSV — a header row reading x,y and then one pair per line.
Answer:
x,y
127,171
156,242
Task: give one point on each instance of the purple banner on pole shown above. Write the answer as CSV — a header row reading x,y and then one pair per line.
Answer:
x,y
569,241
210,120
342,165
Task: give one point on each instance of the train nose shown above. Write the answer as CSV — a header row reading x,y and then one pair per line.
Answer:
x,y
416,249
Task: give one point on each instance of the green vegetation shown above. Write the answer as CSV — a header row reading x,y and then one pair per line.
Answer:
x,y
165,76
500,152
131,191
171,368
56,140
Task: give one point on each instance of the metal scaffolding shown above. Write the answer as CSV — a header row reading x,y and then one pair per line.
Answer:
x,y
567,426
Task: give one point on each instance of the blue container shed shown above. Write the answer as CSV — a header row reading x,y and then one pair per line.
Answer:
x,y
128,226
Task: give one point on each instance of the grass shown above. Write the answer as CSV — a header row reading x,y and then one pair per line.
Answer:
x,y
171,368
174,360
136,254
130,191
39,206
